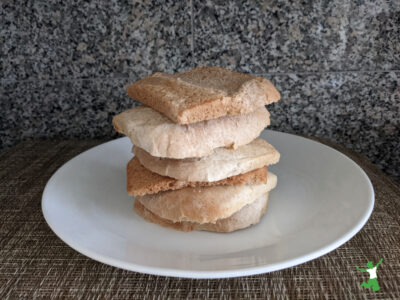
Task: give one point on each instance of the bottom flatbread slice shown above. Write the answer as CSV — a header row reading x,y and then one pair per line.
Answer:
x,y
247,216
205,204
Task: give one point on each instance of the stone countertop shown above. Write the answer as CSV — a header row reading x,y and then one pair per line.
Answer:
x,y
65,65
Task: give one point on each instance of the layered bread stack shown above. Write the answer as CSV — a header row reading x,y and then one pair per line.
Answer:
x,y
199,164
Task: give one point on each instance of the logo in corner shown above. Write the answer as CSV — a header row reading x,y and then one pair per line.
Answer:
x,y
373,277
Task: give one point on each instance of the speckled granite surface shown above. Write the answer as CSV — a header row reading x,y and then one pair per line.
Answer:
x,y
70,39
65,64
298,36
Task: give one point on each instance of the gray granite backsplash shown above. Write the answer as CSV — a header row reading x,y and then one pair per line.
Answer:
x,y
64,65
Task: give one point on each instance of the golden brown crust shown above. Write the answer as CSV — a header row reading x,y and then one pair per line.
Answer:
x,y
247,216
203,93
141,181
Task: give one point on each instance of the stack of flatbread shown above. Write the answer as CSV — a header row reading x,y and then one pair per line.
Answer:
x,y
199,164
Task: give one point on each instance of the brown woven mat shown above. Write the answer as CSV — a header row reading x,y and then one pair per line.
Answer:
x,y
35,263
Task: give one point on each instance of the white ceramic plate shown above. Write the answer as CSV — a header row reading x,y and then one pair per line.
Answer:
x,y
322,200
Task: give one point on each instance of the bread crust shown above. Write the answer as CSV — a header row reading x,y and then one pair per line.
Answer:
x,y
223,163
247,216
204,204
141,181
203,93
159,136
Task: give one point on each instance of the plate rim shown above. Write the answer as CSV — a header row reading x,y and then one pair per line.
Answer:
x,y
210,274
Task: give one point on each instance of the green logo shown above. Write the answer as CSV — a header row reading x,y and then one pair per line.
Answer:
x,y
373,277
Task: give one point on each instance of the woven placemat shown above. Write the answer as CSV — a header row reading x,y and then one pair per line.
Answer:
x,y
35,263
